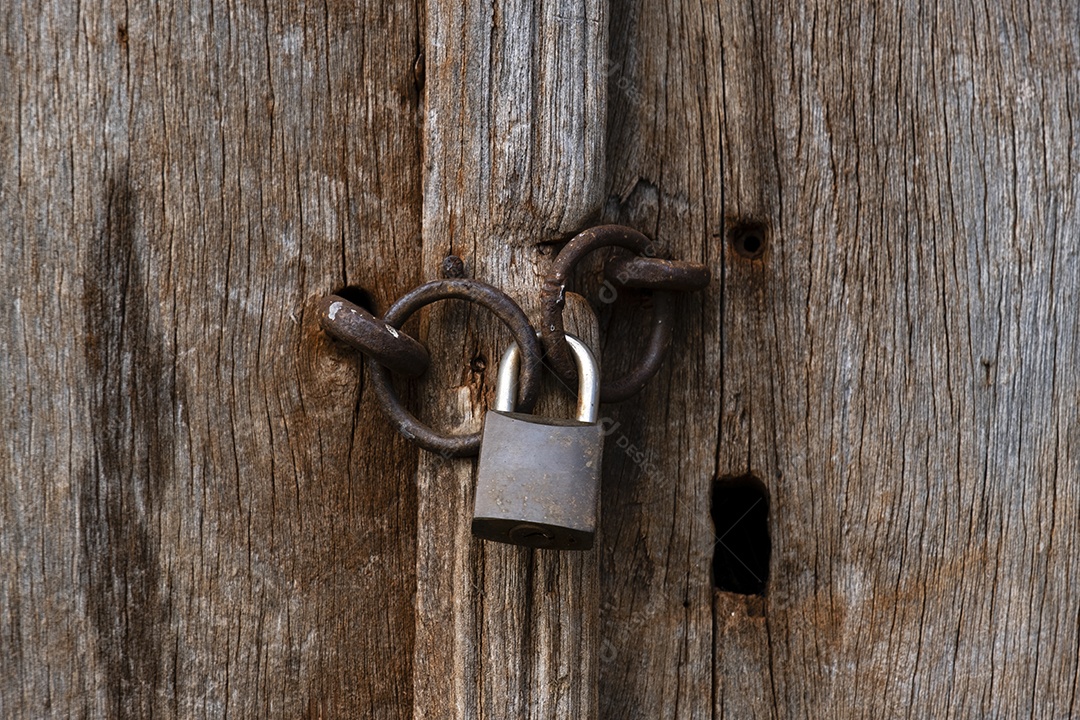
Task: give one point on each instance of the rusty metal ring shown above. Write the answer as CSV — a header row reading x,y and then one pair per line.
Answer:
x,y
506,310
553,298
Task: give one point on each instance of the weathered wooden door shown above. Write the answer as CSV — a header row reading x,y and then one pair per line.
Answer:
x,y
853,490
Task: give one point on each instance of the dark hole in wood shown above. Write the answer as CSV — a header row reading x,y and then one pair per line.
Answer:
x,y
740,512
748,237
751,244
358,296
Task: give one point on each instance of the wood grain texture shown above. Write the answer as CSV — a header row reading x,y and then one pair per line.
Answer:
x,y
200,517
205,515
514,145
900,368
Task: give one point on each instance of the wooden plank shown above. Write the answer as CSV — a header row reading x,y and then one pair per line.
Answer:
x,y
897,369
664,178
514,129
201,515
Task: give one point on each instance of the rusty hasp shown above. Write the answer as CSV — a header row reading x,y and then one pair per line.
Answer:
x,y
504,307
558,354
376,339
656,274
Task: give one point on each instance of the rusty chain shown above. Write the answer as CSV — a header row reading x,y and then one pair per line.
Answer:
x,y
391,349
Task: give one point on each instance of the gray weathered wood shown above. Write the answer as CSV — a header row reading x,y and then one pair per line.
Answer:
x,y
198,516
205,515
900,369
514,129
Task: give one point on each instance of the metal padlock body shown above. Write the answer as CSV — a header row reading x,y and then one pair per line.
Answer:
x,y
538,482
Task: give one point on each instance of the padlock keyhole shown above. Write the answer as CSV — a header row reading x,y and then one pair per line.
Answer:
x,y
531,535
742,546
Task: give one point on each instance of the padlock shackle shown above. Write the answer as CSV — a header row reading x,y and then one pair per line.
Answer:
x,y
588,395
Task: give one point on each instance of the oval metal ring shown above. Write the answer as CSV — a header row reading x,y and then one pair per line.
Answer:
x,y
506,310
552,301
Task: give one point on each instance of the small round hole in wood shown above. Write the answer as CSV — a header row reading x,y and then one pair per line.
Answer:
x,y
748,238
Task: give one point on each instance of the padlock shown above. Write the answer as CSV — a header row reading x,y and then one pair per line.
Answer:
x,y
538,482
